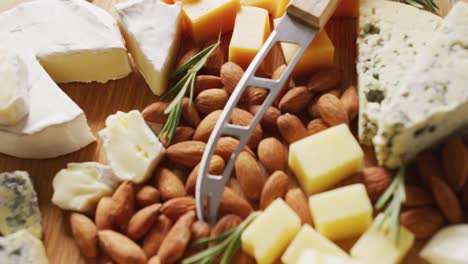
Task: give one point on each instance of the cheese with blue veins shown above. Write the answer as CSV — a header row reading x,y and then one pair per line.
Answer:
x,y
22,248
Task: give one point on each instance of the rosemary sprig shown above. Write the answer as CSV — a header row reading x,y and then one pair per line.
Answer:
x,y
174,109
423,4
229,244
392,212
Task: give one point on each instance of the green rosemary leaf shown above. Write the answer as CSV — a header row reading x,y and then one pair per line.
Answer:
x,y
206,241
387,194
210,252
232,249
423,4
175,88
192,61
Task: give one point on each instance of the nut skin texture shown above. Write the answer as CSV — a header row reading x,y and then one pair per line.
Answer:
x,y
324,80
103,216
455,162
275,187
154,112
216,168
227,145
297,200
331,110
272,154
295,100
177,207
291,128
168,184
190,113
203,131
250,175
232,203
147,195
120,248
205,82
187,153
376,180
182,133
124,203
231,74
350,101
156,235
141,221
84,233
200,230
417,196
211,100
269,119
446,199
276,76
316,126
242,117
423,222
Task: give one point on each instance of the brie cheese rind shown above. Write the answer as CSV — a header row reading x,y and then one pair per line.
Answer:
x,y
152,30
21,248
74,40
14,98
391,35
432,102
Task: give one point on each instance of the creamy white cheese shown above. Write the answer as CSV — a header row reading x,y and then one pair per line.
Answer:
x,y
21,248
448,246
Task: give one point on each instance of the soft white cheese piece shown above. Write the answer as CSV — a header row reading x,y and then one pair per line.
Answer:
x,y
391,35
14,88
432,102
131,147
21,248
80,186
73,39
19,207
152,30
448,246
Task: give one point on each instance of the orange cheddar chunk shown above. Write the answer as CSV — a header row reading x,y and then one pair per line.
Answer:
x,y
279,8
251,29
347,8
265,4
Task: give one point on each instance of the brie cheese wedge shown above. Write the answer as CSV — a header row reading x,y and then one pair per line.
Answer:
x,y
21,248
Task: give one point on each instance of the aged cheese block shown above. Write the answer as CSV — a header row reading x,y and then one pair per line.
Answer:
x,y
22,248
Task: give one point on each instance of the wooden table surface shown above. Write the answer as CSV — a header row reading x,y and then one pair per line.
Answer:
x,y
101,100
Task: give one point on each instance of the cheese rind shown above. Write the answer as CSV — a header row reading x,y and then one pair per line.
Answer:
x,y
131,147
448,246
315,256
19,207
432,102
22,247
152,31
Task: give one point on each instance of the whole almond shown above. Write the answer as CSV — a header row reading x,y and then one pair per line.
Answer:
x,y
231,203
335,92
234,186
200,230
168,184
190,113
103,216
446,199
203,131
269,119
250,175
225,224
429,165
276,186
141,221
350,101
154,260
182,133
423,222
416,196
272,154
295,100
316,126
297,200
312,109
211,100
205,82
376,180
187,56
120,248
331,110
176,241
147,195
231,74
156,235
155,112
84,233
276,76
187,153
324,80
291,128
227,145
242,117
177,207
455,162
124,203
254,96
215,60
216,168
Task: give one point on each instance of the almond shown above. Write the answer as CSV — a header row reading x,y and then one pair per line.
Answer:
x,y
331,110
273,60
156,235
190,113
272,154
350,101
206,126
147,195
231,203
141,221
334,92
455,161
200,230
231,74
270,117
324,80
182,133
250,175
124,200
316,126
177,207
417,196
429,165
120,248
241,117
276,186
168,184
234,185
276,76
84,233
446,199
205,82
254,96
225,224
154,112
154,260
376,180
176,241
187,56
291,128
295,100
215,61
187,153
227,145
465,196
423,222
103,216
211,100
216,168
312,109
297,200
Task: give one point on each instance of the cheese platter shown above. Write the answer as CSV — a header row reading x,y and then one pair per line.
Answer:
x,y
109,105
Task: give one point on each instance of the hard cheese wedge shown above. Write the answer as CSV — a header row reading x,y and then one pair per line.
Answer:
x,y
73,39
271,232
347,8
448,246
279,8
308,238
22,247
378,246
265,4
322,160
432,101
14,94
387,47
247,40
152,31
80,186
315,256
131,147
342,213
19,208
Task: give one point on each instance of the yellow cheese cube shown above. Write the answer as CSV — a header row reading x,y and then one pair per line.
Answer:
x,y
313,256
265,4
247,40
342,213
309,238
375,246
271,232
347,8
322,160
206,19
279,8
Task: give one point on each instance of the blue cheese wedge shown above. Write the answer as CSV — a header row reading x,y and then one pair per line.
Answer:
x,y
432,102
391,35
22,248
19,208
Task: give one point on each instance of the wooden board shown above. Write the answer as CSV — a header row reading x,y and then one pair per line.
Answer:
x,y
101,100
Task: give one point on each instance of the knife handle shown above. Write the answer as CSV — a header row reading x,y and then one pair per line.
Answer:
x,y
313,12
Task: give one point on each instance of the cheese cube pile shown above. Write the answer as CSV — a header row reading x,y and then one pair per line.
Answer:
x,y
265,4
